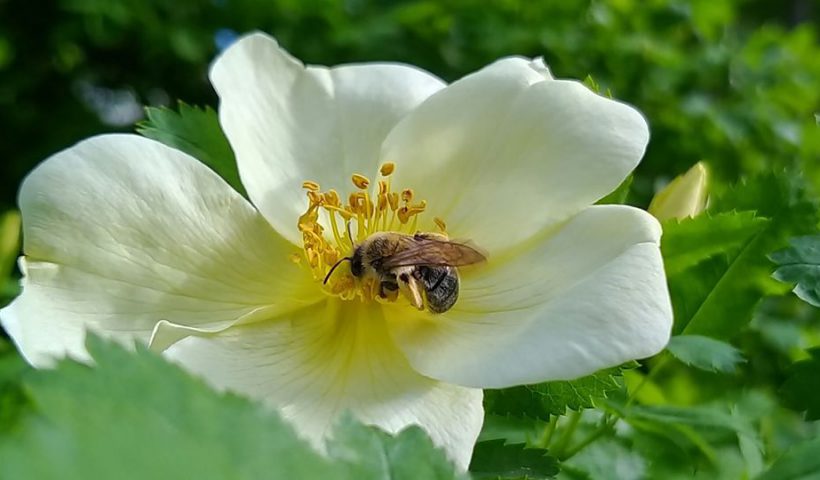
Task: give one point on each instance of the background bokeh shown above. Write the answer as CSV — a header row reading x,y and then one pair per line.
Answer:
x,y
733,82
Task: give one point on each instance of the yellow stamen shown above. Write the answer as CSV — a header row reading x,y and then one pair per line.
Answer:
x,y
371,214
387,169
312,186
360,181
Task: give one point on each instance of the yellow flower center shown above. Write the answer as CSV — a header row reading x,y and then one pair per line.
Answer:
x,y
365,213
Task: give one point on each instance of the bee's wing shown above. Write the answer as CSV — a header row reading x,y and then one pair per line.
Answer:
x,y
432,251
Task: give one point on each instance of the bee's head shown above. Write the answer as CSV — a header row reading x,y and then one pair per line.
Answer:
x,y
357,263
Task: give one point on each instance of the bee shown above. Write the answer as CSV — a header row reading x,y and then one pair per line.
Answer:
x,y
421,266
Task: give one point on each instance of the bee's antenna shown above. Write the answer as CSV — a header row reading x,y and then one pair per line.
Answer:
x,y
327,277
349,235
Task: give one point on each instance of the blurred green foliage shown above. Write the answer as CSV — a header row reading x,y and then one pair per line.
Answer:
x,y
733,82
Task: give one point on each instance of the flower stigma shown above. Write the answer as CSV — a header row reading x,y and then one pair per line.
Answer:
x,y
364,213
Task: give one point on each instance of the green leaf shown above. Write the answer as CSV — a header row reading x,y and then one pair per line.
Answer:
x,y
801,390
9,242
716,297
195,131
800,462
607,459
372,453
705,353
13,400
135,416
685,243
800,264
617,196
496,459
552,398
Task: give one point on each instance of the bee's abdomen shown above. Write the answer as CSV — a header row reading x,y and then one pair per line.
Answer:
x,y
440,285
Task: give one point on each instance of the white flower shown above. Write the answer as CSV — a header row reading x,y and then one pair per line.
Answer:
x,y
135,240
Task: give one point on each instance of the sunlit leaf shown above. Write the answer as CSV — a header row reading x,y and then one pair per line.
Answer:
x,y
552,398
9,241
495,459
135,416
685,243
800,264
373,454
705,353
195,131
716,297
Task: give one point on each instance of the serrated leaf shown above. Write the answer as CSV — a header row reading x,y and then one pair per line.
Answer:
x,y
800,265
135,416
801,390
497,459
687,242
195,131
705,353
542,400
716,297
372,453
800,462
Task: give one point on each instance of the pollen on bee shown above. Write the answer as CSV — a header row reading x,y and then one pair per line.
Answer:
x,y
329,238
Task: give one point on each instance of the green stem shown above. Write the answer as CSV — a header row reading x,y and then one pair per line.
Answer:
x,y
649,376
546,437
606,427
566,435
608,424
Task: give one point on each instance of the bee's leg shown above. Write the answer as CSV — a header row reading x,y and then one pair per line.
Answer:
x,y
411,289
388,290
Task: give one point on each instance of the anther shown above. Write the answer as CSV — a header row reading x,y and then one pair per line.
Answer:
x,y
311,186
407,195
360,181
387,168
440,224
315,197
331,198
393,200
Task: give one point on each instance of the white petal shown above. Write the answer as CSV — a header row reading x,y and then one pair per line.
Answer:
x,y
287,123
506,151
590,295
122,232
336,356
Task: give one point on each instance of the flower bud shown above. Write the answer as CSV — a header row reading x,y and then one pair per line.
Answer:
x,y
684,196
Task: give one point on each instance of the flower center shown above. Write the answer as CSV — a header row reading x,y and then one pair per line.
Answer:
x,y
365,213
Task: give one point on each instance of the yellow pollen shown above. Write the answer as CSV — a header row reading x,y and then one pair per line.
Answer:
x,y
360,181
346,225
